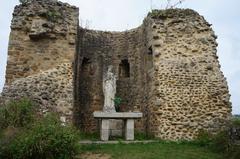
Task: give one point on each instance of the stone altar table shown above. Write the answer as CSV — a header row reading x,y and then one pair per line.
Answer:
x,y
127,117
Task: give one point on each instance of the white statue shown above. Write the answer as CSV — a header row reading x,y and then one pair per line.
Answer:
x,y
109,90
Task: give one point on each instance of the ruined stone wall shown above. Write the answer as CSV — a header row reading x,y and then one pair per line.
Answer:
x,y
41,51
97,51
51,90
167,68
191,93
43,34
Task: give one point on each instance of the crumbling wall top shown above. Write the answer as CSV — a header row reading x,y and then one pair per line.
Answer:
x,y
172,13
44,18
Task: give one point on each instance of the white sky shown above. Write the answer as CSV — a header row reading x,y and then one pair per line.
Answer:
x,y
119,15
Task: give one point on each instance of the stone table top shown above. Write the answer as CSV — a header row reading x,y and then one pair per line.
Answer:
x,y
117,115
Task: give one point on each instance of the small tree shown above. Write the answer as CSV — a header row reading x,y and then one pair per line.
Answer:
x,y
171,4
23,1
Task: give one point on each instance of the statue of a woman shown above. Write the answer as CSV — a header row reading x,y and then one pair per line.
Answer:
x,y
109,90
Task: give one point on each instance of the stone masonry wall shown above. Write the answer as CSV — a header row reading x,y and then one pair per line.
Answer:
x,y
41,51
51,90
97,51
191,93
43,35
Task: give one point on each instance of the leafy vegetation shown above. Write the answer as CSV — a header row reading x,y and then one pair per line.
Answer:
x,y
46,138
17,113
24,135
236,121
207,146
53,15
221,142
24,1
117,103
234,152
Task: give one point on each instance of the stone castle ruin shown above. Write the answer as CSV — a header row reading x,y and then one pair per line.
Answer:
x,y
166,68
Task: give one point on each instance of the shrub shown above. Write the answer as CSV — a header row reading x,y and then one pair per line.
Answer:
x,y
16,113
204,138
23,1
234,152
236,121
220,143
46,138
53,15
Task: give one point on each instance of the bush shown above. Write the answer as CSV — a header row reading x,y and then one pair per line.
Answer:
x,y
220,143
46,138
23,1
236,121
234,152
16,113
53,15
204,138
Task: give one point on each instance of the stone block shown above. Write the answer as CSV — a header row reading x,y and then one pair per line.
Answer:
x,y
129,129
104,130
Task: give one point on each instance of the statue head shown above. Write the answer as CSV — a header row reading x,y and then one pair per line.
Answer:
x,y
109,75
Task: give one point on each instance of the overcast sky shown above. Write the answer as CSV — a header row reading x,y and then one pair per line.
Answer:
x,y
119,15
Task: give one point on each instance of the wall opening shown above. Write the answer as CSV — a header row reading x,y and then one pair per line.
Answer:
x,y
149,58
124,69
85,65
150,52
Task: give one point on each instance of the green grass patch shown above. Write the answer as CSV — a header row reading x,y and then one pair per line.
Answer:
x,y
96,136
160,150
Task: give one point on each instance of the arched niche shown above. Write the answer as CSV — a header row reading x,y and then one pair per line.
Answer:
x,y
124,69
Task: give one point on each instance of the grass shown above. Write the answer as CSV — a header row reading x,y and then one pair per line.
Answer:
x,y
89,136
143,136
160,150
96,136
19,115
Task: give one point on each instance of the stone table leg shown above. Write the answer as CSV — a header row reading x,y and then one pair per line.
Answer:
x,y
104,132
129,129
